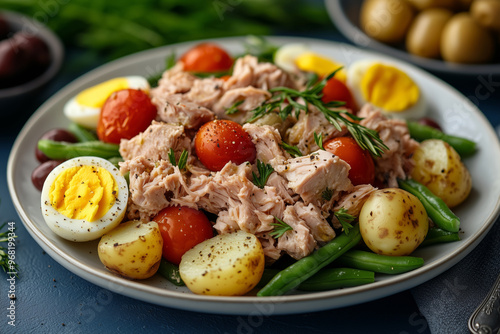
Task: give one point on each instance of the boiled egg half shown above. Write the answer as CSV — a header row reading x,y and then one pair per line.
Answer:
x,y
295,56
83,198
85,108
387,88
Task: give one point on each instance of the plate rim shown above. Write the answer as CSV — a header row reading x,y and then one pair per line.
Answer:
x,y
350,30
172,298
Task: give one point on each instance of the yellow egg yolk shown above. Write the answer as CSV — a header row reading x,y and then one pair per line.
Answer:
x,y
95,96
389,88
322,66
83,192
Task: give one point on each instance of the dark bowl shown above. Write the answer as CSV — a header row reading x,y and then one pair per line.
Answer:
x,y
19,93
345,16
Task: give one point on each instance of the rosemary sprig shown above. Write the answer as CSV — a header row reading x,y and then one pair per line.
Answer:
x,y
294,151
234,108
319,140
182,159
327,194
265,170
279,228
344,219
284,100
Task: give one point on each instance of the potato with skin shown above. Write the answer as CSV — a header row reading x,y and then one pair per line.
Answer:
x,y
486,13
393,222
424,37
386,20
426,4
439,167
225,265
133,249
465,41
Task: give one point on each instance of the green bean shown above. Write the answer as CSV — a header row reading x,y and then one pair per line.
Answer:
x,y
335,278
437,210
292,276
62,151
438,236
82,134
420,132
378,263
171,272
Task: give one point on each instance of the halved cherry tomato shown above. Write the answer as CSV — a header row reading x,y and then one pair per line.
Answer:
x,y
336,90
206,57
125,114
182,228
362,167
220,141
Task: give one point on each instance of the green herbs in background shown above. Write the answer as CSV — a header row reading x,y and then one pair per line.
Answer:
x,y
112,29
7,258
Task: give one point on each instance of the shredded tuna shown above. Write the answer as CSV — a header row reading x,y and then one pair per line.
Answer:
x,y
298,242
206,92
155,142
249,99
176,109
315,219
352,201
267,142
174,81
396,162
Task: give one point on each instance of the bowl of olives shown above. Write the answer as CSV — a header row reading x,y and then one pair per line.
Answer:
x,y
443,36
30,56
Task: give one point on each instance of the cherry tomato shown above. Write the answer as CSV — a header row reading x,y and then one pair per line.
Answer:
x,y
362,167
206,57
57,135
182,228
125,114
220,141
336,90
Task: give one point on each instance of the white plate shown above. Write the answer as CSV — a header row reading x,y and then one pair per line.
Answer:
x,y
452,110
345,16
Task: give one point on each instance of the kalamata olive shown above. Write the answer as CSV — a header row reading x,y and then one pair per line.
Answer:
x,y
23,57
429,122
4,28
57,135
41,172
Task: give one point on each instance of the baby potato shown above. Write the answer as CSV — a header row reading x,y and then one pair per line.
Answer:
x,y
426,4
386,20
393,222
486,13
225,265
424,36
132,250
439,168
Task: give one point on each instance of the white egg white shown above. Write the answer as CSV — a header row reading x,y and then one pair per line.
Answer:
x,y
89,116
286,55
81,230
355,74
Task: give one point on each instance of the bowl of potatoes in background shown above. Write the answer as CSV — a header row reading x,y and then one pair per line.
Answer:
x,y
446,36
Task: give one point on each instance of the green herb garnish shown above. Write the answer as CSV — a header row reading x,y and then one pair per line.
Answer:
x,y
345,219
182,159
265,170
285,102
294,151
279,228
327,194
234,108
319,140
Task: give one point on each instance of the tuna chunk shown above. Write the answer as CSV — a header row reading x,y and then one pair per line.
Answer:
x,y
301,134
315,219
206,92
251,98
396,162
174,81
298,242
249,72
317,178
267,142
176,109
155,142
353,201
152,186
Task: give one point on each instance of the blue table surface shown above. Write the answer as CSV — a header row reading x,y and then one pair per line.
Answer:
x,y
51,299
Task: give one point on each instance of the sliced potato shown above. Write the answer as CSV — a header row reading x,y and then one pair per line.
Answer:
x,y
439,168
133,249
393,222
225,265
